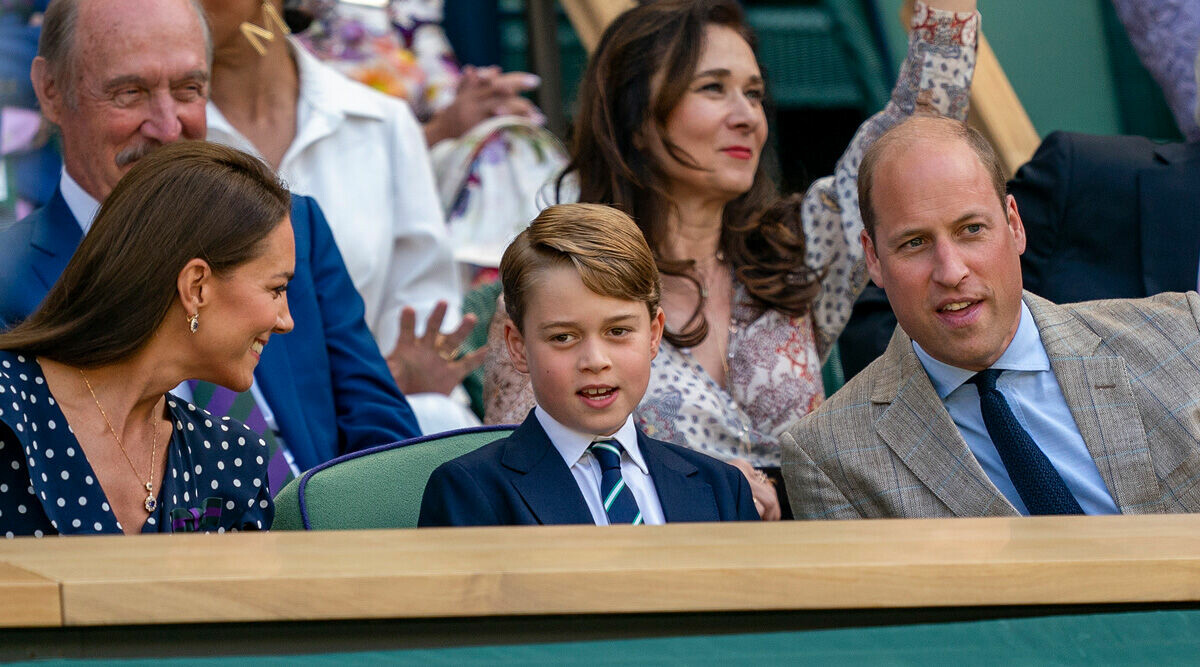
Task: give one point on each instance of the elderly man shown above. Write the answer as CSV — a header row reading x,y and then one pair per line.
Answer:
x,y
990,400
122,77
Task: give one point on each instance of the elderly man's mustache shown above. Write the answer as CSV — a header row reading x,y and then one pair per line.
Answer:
x,y
135,153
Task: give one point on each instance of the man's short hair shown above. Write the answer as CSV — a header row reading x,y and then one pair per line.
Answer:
x,y
603,245
916,129
56,44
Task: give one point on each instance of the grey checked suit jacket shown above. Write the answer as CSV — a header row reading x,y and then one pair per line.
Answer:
x,y
884,446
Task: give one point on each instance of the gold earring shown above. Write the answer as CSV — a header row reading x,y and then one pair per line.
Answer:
x,y
193,322
256,34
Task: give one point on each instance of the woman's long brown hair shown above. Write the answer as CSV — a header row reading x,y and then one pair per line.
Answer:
x,y
761,235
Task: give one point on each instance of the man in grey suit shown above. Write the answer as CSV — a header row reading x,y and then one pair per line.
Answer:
x,y
990,400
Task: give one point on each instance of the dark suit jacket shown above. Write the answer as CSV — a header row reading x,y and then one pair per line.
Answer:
x,y
326,382
1105,218
1109,217
522,480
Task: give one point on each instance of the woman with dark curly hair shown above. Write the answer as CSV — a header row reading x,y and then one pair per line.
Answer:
x,y
756,288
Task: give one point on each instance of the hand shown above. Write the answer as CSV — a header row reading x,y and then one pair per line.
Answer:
x,y
766,501
482,93
429,363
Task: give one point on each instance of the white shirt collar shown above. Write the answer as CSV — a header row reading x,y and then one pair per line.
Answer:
x,y
572,444
1024,353
330,92
83,206
326,98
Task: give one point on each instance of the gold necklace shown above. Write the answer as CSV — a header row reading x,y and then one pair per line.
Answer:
x,y
151,503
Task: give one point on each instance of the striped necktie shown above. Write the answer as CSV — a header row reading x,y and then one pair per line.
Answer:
x,y
619,503
1040,486
223,402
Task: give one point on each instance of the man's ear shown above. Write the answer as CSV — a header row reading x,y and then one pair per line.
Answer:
x,y
516,347
657,324
194,285
49,92
871,257
1015,225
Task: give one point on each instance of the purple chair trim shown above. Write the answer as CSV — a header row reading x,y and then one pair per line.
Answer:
x,y
383,448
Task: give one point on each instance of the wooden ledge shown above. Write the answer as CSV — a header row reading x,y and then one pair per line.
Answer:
x,y
28,600
589,570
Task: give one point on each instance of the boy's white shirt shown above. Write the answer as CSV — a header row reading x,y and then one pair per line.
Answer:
x,y
573,447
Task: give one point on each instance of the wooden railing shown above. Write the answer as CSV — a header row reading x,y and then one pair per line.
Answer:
x,y
569,570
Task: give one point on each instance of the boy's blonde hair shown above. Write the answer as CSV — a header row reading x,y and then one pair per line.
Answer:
x,y
603,244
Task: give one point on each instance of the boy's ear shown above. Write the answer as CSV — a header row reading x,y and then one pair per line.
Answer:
x,y
516,347
658,323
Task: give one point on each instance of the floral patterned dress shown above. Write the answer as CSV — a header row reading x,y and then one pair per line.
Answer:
x,y
775,360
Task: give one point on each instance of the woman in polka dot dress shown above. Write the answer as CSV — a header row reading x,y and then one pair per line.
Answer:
x,y
756,289
182,276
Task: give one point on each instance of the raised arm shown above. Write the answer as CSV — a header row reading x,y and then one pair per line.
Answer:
x,y
934,78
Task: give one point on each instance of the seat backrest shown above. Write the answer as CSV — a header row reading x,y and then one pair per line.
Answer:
x,y
379,487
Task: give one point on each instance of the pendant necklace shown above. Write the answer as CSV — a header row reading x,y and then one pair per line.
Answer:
x,y
151,503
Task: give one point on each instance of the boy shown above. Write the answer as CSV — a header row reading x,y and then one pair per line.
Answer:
x,y
582,291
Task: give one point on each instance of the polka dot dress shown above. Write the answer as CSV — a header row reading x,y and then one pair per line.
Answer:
x,y
47,485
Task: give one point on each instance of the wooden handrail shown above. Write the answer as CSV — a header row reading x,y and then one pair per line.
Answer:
x,y
559,570
998,113
591,17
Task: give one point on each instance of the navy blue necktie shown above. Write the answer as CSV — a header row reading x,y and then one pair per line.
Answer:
x,y
1038,483
618,500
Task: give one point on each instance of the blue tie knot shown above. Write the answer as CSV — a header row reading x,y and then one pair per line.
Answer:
x,y
986,380
607,453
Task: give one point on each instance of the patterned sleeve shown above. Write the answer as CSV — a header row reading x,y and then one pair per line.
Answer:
x,y
1164,34
935,78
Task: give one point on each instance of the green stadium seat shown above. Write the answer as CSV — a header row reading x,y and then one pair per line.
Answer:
x,y
379,487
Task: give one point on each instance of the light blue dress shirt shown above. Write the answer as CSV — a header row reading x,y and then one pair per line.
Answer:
x,y
1032,392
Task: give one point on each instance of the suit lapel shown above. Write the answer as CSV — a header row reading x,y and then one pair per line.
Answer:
x,y
1170,214
682,494
1098,393
543,479
57,240
917,427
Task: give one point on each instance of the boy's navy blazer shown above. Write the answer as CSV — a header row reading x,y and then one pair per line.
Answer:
x,y
523,480
326,382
